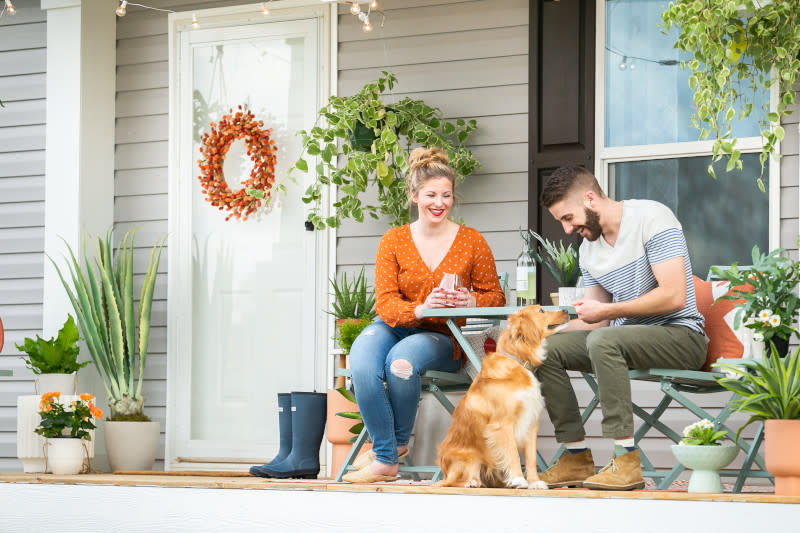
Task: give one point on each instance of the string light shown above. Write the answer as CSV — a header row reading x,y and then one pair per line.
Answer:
x,y
121,9
364,17
355,9
373,4
623,64
264,9
195,24
10,7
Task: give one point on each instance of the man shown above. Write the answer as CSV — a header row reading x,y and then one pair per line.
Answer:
x,y
638,311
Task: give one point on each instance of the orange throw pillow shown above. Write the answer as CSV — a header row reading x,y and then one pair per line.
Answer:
x,y
724,340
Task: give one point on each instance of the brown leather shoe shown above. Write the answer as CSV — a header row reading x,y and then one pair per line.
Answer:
x,y
570,470
622,473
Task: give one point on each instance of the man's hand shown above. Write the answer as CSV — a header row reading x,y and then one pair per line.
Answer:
x,y
590,311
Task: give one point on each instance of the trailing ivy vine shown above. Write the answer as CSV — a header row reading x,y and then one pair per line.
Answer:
x,y
364,143
735,44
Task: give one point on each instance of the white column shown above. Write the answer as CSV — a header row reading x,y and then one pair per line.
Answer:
x,y
79,167
79,161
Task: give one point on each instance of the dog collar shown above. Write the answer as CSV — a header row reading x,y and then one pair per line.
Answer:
x,y
525,364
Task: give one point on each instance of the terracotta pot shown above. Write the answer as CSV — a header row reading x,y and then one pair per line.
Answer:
x,y
337,428
780,453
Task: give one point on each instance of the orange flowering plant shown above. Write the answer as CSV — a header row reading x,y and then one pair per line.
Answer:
x,y
57,419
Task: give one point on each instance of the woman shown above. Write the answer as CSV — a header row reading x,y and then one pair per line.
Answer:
x,y
400,345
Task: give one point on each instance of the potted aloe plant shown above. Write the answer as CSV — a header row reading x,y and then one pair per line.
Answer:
x,y
54,361
102,296
562,263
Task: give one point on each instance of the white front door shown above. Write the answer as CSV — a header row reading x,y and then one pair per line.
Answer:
x,y
244,296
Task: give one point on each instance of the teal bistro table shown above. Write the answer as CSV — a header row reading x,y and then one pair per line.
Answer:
x,y
490,314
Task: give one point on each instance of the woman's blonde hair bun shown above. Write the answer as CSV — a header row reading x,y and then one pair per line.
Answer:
x,y
427,163
423,157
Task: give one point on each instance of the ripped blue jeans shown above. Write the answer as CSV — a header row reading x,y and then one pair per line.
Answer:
x,y
389,410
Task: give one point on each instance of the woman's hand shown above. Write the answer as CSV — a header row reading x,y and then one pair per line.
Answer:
x,y
437,299
461,297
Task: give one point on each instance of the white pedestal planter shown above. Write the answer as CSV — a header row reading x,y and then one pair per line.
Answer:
x,y
30,446
64,383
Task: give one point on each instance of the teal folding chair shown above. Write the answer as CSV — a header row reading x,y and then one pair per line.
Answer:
x,y
675,386
438,384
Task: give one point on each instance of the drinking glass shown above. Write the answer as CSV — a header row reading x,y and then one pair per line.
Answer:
x,y
450,283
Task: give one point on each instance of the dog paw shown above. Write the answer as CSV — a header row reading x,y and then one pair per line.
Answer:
x,y
537,485
472,484
518,483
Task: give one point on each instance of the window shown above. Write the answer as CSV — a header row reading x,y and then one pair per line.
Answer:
x,y
648,148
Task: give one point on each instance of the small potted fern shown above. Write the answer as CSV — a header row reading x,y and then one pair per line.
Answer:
x,y
562,263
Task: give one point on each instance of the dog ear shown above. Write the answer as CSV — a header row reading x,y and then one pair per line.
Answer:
x,y
524,327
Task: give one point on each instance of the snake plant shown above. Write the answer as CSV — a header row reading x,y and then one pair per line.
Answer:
x,y
102,296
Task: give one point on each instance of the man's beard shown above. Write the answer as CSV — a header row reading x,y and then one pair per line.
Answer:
x,y
592,225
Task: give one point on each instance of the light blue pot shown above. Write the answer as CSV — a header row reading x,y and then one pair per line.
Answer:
x,y
705,461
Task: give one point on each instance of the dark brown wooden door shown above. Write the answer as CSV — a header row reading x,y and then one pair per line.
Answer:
x,y
561,104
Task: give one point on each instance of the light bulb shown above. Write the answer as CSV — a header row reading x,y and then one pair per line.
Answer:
x,y
367,27
10,7
373,4
632,66
121,9
264,9
195,24
355,9
623,64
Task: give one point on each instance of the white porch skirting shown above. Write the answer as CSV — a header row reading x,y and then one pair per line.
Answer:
x,y
98,508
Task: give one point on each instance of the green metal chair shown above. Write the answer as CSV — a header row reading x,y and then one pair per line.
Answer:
x,y
675,385
436,383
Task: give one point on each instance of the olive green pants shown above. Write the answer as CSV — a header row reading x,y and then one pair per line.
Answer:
x,y
608,353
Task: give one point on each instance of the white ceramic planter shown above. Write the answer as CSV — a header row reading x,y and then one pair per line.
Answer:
x,y
131,445
65,456
64,383
567,295
30,446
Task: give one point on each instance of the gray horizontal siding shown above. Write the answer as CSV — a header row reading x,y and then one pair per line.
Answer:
x,y
22,145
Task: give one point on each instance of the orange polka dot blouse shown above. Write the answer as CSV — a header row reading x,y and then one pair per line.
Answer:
x,y
403,280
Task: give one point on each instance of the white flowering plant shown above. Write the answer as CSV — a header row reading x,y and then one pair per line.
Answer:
x,y
765,294
702,433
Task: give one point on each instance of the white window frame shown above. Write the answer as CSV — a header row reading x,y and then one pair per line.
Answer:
x,y
606,156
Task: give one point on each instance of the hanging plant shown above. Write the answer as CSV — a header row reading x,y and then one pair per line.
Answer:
x,y
260,148
374,141
716,33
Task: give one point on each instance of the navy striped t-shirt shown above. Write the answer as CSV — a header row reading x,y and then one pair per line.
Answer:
x,y
648,234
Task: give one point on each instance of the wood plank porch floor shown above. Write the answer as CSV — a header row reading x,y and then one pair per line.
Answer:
x,y
170,502
217,480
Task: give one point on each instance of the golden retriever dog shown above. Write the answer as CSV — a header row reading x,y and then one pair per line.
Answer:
x,y
499,415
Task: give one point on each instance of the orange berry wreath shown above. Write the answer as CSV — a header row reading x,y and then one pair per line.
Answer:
x,y
261,150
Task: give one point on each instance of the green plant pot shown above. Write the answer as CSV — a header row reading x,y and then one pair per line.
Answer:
x,y
705,461
362,137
